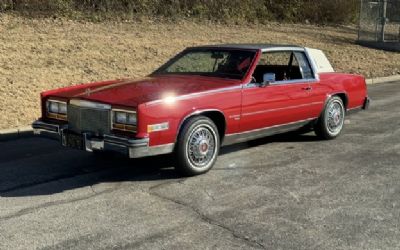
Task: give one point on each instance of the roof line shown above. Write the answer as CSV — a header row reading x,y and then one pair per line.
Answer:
x,y
250,46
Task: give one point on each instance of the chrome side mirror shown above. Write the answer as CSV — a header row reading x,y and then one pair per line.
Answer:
x,y
268,78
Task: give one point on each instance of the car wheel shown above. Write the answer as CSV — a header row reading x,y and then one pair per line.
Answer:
x,y
331,121
197,147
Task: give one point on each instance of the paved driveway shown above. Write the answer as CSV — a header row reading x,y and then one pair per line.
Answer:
x,y
282,192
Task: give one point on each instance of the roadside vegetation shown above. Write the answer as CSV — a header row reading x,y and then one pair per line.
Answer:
x,y
46,44
38,54
260,11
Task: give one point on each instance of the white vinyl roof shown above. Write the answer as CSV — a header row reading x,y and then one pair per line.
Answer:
x,y
320,61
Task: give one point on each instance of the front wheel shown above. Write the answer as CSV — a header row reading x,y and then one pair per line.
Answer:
x,y
330,123
197,147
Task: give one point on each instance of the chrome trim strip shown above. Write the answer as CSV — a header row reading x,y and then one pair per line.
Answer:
x,y
198,112
353,110
52,131
39,126
281,83
358,107
151,151
87,91
126,141
297,81
282,49
208,92
365,106
52,100
279,109
124,110
89,104
263,132
328,96
235,117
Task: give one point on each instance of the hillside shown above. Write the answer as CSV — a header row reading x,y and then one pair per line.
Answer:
x,y
41,54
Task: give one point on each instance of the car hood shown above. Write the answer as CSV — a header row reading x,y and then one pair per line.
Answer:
x,y
128,92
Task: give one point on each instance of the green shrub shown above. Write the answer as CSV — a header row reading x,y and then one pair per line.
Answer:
x,y
316,11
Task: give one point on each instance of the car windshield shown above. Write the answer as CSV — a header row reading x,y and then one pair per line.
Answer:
x,y
224,63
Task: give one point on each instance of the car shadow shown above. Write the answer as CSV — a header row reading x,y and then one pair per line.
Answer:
x,y
36,166
287,137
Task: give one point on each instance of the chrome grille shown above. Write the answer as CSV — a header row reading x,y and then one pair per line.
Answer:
x,y
88,120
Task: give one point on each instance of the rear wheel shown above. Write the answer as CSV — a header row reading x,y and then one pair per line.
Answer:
x,y
197,147
330,124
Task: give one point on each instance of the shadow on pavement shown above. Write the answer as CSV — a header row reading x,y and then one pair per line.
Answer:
x,y
37,166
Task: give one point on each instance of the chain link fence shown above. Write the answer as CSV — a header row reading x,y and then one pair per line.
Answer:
x,y
380,24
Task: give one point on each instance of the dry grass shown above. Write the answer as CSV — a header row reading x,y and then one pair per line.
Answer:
x,y
41,54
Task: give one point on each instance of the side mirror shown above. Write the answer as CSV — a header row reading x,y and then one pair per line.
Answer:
x,y
268,78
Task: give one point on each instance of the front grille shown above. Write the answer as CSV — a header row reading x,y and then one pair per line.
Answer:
x,y
89,120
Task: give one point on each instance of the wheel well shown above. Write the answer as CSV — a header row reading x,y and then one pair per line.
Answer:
x,y
216,116
219,119
344,98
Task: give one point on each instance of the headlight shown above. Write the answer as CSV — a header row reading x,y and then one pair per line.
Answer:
x,y
53,107
120,117
131,119
56,109
124,120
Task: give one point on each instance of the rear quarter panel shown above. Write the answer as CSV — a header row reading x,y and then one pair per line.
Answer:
x,y
353,86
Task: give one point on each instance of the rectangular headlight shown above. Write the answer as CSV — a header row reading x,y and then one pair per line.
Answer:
x,y
124,120
56,109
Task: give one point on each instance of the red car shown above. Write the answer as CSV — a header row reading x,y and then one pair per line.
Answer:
x,y
202,99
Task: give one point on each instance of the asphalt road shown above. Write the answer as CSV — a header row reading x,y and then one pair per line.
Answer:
x,y
282,192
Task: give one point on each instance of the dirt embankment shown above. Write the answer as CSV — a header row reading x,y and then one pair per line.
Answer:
x,y
41,54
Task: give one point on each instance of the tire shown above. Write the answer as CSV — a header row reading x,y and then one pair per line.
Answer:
x,y
330,123
197,146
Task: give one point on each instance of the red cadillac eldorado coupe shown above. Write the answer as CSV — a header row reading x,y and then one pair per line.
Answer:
x,y
202,99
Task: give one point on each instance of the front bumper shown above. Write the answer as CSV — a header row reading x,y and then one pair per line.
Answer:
x,y
134,148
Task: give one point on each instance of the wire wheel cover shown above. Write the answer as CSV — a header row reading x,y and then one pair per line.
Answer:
x,y
201,146
335,117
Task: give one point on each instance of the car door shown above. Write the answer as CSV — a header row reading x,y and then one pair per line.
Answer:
x,y
283,101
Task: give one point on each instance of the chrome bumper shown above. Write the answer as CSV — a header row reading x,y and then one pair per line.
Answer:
x,y
134,148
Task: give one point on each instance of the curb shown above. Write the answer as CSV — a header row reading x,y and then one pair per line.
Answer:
x,y
385,79
16,133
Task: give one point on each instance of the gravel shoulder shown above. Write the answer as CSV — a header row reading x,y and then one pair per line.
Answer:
x,y
42,54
